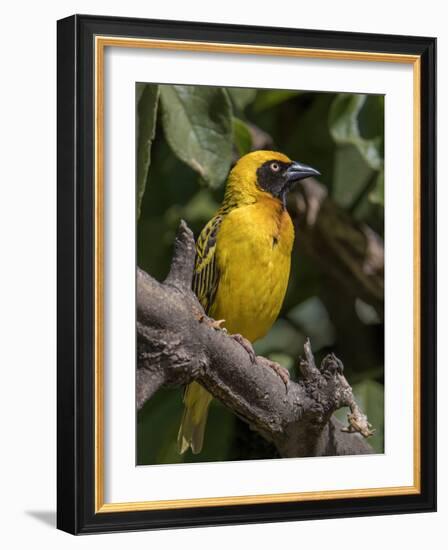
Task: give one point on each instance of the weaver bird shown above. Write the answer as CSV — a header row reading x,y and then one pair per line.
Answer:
x,y
243,258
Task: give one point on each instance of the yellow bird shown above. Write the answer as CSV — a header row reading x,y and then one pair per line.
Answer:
x,y
243,258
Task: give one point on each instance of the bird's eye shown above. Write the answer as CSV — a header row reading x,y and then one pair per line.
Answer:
x,y
275,167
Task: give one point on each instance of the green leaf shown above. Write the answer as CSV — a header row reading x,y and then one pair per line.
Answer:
x,y
371,117
241,97
306,136
266,99
148,97
312,317
367,313
197,121
351,174
241,137
377,194
282,338
370,397
139,89
199,209
344,128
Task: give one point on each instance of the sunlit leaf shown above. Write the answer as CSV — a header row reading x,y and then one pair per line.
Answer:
x,y
267,99
371,117
200,208
241,137
366,312
197,121
347,114
377,194
313,319
139,89
241,97
351,175
282,338
147,97
344,128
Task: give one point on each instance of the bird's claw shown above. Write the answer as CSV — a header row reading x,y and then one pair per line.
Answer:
x,y
217,324
280,371
244,342
212,323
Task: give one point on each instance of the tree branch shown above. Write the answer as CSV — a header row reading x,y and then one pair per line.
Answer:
x,y
176,344
351,252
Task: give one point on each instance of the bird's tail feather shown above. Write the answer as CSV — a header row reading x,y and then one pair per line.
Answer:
x,y
194,419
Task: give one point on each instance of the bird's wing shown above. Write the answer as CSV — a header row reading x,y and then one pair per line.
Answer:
x,y
206,272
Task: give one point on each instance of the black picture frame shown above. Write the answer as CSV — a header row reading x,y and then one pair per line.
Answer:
x,y
76,253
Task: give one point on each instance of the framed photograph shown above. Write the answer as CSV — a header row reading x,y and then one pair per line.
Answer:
x,y
246,274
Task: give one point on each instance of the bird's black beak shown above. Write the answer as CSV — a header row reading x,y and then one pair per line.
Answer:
x,y
298,171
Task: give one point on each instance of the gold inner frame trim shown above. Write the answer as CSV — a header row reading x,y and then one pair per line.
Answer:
x,y
101,42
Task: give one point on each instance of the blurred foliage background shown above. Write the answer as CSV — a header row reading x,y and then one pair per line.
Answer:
x,y
187,139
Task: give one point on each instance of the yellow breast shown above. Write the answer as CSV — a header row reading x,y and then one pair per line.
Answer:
x,y
253,252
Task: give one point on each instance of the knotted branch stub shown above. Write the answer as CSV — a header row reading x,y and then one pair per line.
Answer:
x,y
175,346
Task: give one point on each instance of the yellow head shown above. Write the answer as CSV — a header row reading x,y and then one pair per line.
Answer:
x,y
264,172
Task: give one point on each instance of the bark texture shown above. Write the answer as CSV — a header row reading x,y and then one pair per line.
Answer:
x,y
177,343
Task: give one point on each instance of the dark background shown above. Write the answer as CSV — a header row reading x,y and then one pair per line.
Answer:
x,y
188,138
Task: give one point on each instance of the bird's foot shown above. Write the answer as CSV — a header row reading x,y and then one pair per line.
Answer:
x,y
280,371
217,325
244,342
212,323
